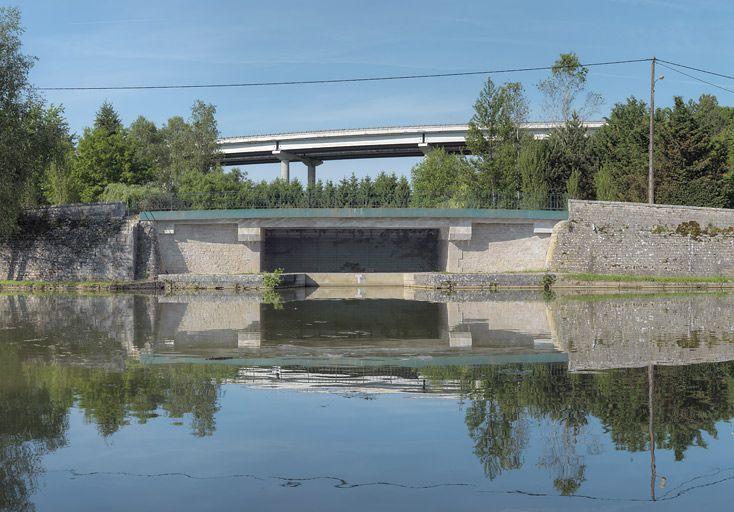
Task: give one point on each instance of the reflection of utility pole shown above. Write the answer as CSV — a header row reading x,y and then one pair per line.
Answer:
x,y
650,389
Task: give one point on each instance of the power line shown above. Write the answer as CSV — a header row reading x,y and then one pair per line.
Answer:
x,y
696,78
697,69
327,81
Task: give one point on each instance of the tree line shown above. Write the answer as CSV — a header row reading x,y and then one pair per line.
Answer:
x,y
694,150
177,164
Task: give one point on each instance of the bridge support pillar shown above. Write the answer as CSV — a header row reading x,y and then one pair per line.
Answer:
x,y
311,165
285,170
425,148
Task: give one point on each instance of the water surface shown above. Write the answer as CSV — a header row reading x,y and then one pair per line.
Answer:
x,y
366,399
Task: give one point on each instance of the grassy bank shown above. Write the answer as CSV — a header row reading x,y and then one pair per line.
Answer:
x,y
619,280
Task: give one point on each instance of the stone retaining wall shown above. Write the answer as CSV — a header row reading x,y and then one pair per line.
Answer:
x,y
90,242
642,239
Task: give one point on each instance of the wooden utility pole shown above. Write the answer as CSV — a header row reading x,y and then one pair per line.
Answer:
x,y
650,170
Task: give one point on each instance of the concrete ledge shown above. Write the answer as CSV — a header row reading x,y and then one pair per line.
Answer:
x,y
227,282
470,281
355,279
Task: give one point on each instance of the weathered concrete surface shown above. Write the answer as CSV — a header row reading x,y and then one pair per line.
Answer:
x,y
498,248
351,250
71,243
642,239
338,279
206,249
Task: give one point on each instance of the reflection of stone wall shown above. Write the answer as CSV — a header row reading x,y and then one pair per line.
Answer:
x,y
88,328
634,331
629,238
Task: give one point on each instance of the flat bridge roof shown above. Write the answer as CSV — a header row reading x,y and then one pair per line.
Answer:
x,y
352,213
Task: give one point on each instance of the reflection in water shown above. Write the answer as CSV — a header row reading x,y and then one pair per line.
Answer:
x,y
548,391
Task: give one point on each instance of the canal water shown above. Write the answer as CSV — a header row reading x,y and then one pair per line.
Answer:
x,y
367,399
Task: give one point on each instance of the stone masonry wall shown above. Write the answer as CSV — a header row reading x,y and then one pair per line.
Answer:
x,y
641,239
71,243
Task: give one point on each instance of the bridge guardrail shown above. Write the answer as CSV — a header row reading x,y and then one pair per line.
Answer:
x,y
237,200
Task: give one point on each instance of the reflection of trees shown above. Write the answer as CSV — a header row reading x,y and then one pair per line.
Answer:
x,y
111,399
687,402
499,436
560,458
33,421
35,398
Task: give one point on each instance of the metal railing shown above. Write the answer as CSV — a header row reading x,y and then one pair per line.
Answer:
x,y
237,200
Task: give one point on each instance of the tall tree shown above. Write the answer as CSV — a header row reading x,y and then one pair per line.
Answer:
x,y
570,160
31,135
437,180
564,88
621,148
533,166
105,156
191,145
494,138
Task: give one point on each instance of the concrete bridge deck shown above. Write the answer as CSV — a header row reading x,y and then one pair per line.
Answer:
x,y
369,240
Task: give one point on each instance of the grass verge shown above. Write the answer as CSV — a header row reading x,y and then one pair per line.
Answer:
x,y
618,278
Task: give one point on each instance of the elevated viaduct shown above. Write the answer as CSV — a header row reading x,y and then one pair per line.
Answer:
x,y
313,148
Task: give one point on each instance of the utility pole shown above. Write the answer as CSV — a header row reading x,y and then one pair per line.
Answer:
x,y
650,170
650,147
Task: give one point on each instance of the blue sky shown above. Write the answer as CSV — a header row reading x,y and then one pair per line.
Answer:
x,y
92,43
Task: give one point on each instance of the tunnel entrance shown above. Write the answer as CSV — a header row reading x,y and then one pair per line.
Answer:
x,y
351,250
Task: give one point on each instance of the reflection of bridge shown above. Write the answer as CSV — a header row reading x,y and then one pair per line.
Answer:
x,y
312,148
375,327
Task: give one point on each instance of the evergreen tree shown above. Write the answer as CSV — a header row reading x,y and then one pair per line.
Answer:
x,y
494,138
533,167
385,186
691,165
570,160
104,156
621,146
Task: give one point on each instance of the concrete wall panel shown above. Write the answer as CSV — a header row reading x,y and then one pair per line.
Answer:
x,y
498,247
207,249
